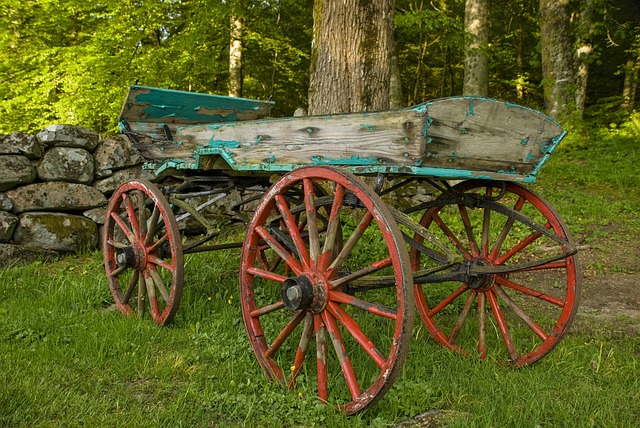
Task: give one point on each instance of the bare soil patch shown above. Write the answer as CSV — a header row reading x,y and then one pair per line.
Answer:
x,y
611,285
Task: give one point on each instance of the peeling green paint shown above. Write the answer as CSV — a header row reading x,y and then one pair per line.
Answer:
x,y
368,127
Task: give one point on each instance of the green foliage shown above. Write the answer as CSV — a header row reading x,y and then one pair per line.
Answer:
x,y
71,61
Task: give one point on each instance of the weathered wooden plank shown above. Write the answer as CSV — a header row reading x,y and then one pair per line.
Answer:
x,y
145,104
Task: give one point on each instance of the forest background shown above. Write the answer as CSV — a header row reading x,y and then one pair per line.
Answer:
x,y
71,61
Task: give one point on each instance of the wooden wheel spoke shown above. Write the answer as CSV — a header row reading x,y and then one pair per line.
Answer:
x,y
151,294
156,246
448,300
116,244
341,353
116,272
452,237
502,325
520,313
312,220
159,262
303,347
351,243
486,225
530,291
321,357
482,326
294,231
264,310
506,229
142,291
153,225
279,249
332,228
123,227
353,328
131,214
159,284
272,276
373,267
469,230
284,334
142,214
519,247
132,284
373,308
462,317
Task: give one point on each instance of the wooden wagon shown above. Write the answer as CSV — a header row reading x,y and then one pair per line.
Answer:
x,y
353,222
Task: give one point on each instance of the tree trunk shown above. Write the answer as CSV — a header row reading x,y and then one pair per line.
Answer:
x,y
350,56
557,58
235,57
630,84
395,85
476,33
583,54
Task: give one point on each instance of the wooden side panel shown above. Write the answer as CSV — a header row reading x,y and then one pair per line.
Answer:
x,y
487,135
386,138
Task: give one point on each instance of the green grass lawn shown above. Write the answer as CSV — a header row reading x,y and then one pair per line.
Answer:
x,y
68,359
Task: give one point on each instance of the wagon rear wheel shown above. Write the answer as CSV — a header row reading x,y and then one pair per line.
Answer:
x,y
309,325
142,252
518,286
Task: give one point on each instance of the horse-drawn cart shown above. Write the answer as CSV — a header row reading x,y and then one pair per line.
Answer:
x,y
352,223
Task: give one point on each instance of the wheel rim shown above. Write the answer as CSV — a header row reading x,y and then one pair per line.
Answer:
x,y
142,252
526,296
306,326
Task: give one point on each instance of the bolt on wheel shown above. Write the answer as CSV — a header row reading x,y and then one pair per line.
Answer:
x,y
516,292
326,290
142,252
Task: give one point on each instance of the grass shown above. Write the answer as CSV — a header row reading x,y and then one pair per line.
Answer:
x,y
67,359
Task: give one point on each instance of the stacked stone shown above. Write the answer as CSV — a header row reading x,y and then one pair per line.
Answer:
x,y
54,189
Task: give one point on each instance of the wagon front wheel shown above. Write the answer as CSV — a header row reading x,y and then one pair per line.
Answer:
x,y
142,252
516,291
333,318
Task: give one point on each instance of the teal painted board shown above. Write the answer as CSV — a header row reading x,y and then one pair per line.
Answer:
x,y
146,105
459,137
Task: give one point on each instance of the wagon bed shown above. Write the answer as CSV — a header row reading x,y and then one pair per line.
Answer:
x,y
456,138
333,265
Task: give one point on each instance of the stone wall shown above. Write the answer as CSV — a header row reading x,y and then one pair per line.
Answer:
x,y
54,188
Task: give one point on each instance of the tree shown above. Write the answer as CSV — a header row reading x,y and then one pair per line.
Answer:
x,y
235,56
476,29
557,57
584,51
351,61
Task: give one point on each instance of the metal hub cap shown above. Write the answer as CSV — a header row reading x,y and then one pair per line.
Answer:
x,y
305,292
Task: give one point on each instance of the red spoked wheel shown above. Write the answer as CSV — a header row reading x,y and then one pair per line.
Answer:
x,y
516,291
142,252
326,290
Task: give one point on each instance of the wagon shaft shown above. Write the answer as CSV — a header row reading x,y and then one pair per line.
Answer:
x,y
460,137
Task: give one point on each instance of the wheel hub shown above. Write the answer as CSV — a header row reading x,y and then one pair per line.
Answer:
x,y
482,282
134,257
305,292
